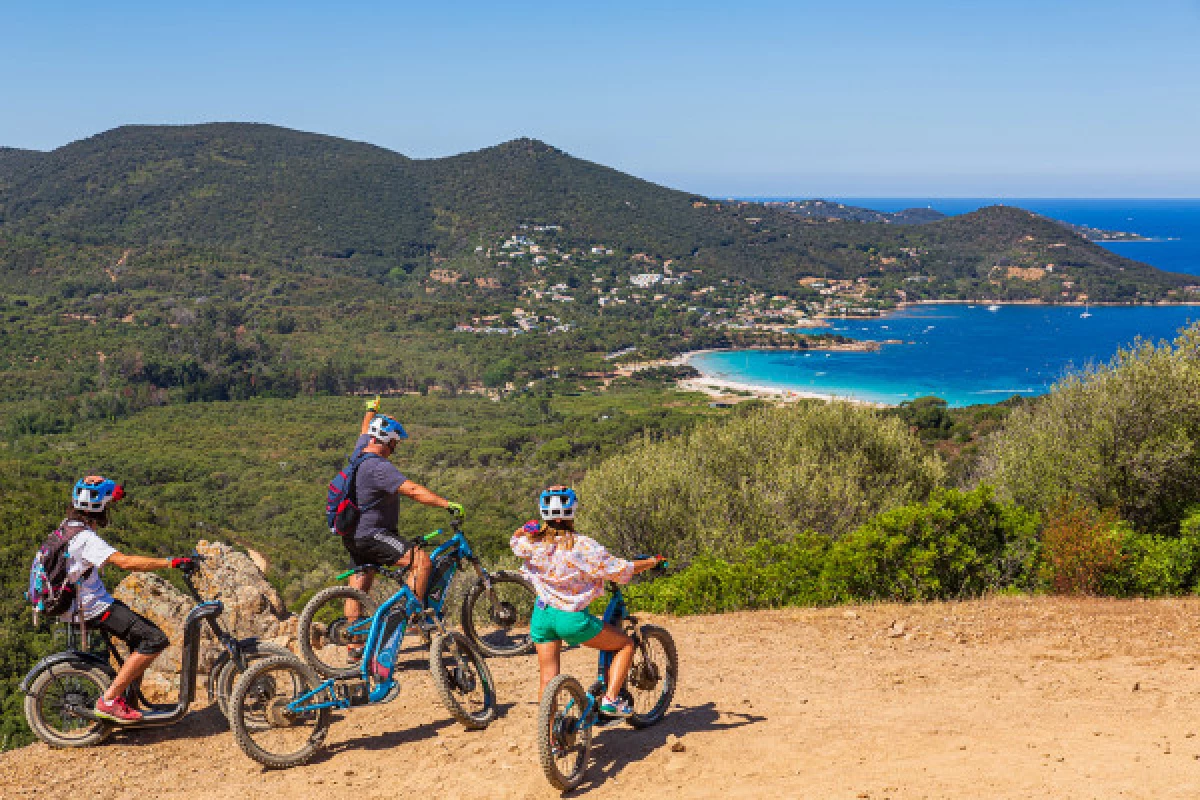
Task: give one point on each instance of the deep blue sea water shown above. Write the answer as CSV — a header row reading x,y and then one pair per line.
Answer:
x,y
961,353
969,355
1173,225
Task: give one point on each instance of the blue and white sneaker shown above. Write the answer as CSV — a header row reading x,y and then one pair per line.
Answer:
x,y
615,708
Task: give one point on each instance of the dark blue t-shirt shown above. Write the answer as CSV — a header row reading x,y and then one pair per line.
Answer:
x,y
376,481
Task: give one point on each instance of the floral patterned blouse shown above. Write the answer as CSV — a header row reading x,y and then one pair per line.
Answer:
x,y
568,578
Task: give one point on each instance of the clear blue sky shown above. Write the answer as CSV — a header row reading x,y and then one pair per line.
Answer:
x,y
1013,98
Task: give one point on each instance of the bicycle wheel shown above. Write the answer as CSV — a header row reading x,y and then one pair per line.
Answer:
x,y
53,695
263,727
226,673
652,676
463,680
497,622
563,740
325,635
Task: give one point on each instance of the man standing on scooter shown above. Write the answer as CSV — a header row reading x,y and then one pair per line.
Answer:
x,y
87,554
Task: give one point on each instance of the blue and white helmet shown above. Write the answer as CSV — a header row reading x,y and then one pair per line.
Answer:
x,y
94,493
385,430
557,502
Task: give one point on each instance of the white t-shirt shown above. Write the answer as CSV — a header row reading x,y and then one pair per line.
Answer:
x,y
88,550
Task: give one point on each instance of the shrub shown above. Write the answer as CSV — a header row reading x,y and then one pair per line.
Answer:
x,y
772,474
1081,548
956,545
765,575
1158,565
1125,436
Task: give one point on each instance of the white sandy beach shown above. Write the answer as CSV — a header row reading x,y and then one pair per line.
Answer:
x,y
726,389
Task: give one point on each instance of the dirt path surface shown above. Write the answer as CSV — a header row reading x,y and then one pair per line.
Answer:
x,y
1010,697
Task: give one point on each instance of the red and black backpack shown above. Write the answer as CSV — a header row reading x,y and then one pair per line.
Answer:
x,y
341,502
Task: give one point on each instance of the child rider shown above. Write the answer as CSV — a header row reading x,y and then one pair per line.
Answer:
x,y
568,571
87,554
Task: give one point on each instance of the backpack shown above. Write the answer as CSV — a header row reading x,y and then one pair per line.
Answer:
x,y
342,511
50,591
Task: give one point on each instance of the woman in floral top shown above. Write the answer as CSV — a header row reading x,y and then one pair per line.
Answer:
x,y
568,571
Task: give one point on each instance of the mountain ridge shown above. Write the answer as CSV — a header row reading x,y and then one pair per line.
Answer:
x,y
278,191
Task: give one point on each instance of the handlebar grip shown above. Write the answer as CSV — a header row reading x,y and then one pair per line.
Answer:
x,y
429,537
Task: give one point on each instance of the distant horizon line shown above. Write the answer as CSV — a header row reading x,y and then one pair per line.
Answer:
x,y
772,197
670,181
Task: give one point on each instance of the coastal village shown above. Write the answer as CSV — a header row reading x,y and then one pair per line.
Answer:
x,y
551,285
556,281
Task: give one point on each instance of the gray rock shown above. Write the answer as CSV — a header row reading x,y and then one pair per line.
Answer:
x,y
252,608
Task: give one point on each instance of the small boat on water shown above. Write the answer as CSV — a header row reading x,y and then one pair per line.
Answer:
x,y
993,307
1087,312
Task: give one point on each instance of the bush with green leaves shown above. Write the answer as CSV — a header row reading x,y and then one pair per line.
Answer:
x,y
769,475
958,544
1122,436
764,575
1157,565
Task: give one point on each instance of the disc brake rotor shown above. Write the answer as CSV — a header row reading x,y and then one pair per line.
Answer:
x,y
277,714
645,676
464,678
564,732
504,614
335,634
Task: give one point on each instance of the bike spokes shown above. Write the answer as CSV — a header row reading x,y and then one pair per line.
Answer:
x,y
498,620
61,701
333,630
564,738
652,676
262,716
463,680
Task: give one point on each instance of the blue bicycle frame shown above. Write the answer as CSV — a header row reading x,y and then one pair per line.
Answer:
x,y
387,627
614,614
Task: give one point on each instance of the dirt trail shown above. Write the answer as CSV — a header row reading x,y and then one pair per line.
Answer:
x,y
1009,697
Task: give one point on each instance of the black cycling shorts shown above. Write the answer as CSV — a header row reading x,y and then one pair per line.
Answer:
x,y
140,634
381,549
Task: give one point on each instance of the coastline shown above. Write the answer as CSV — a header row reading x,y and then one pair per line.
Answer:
x,y
1068,304
722,388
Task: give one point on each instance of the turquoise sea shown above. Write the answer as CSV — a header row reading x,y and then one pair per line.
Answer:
x,y
964,354
970,354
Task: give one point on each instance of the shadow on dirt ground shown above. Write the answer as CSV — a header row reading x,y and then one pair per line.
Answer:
x,y
198,724
613,748
391,739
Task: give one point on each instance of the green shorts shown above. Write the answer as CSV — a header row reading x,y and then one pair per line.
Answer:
x,y
550,624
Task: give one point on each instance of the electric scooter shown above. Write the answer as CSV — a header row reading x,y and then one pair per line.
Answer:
x,y
61,689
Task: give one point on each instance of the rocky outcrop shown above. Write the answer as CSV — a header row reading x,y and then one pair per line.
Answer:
x,y
252,608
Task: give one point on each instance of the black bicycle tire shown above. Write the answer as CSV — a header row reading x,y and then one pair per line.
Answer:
x,y
672,676
467,615
237,702
304,642
228,673
563,783
472,722
41,728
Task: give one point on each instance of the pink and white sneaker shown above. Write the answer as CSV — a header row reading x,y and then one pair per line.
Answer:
x,y
116,710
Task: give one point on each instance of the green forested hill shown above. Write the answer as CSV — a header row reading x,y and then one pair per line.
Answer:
x,y
280,192
255,186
